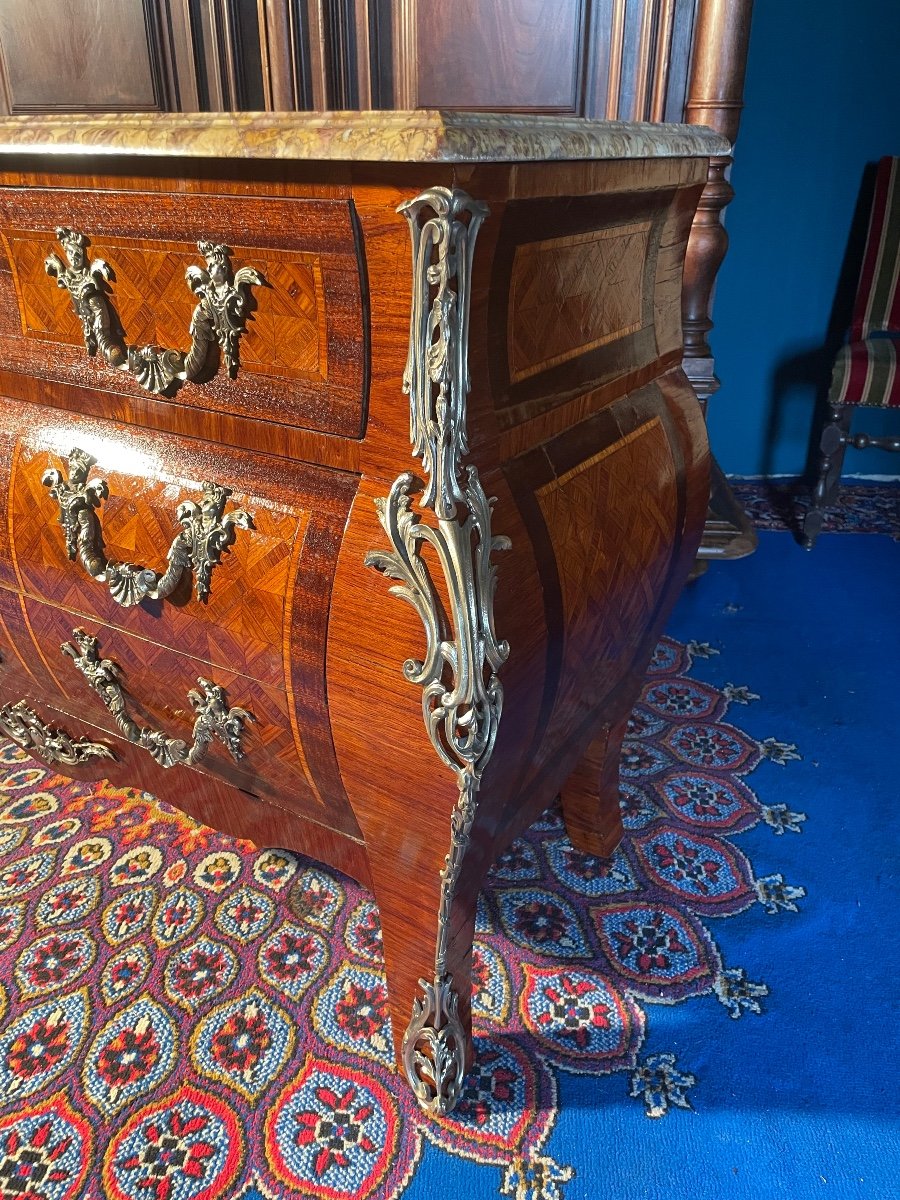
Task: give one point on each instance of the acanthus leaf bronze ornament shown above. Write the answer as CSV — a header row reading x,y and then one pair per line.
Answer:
x,y
462,697
436,378
213,719
23,725
220,319
86,282
207,533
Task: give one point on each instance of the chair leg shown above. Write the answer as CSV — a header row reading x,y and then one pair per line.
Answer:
x,y
832,445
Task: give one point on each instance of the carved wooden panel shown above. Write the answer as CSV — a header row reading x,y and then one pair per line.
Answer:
x,y
500,52
573,294
540,55
595,58
93,55
303,354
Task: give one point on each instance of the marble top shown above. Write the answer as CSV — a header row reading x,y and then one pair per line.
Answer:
x,y
424,136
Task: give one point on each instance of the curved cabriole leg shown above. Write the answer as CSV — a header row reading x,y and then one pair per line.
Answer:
x,y
832,446
430,998
436,1046
590,797
426,846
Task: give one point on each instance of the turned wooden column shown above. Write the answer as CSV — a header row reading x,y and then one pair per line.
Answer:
x,y
715,98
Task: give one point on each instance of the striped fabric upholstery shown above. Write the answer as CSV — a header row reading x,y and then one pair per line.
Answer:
x,y
866,373
865,370
877,306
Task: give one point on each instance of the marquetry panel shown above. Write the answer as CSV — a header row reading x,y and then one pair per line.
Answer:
x,y
302,357
156,681
572,294
243,619
571,315
612,520
286,335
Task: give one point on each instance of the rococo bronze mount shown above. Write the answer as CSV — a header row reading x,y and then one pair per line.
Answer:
x,y
462,696
219,319
207,533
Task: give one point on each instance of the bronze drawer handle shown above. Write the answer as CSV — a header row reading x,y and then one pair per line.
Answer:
x,y
207,533
53,745
217,324
214,718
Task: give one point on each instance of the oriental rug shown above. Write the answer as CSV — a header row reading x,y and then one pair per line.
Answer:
x,y
186,1017
862,506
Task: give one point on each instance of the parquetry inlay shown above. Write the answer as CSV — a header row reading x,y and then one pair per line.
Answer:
x,y
572,294
286,337
613,543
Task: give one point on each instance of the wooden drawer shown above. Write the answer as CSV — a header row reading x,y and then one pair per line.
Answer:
x,y
259,586
302,355
270,760
260,632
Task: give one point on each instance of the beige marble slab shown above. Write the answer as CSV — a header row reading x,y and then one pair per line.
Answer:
x,y
424,136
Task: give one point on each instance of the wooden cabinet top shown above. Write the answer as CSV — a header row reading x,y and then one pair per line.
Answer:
x,y
423,136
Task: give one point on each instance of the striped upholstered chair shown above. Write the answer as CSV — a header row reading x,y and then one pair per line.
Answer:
x,y
866,368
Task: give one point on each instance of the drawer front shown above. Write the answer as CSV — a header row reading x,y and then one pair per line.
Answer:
x,y
22,670
253,741
265,618
245,618
302,346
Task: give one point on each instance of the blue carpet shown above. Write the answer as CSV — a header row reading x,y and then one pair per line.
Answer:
x,y
800,1101
707,1015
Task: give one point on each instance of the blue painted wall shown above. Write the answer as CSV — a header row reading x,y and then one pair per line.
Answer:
x,y
822,99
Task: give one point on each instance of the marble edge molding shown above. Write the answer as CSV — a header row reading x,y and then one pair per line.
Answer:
x,y
426,136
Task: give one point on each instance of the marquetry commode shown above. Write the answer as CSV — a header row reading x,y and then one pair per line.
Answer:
x,y
350,474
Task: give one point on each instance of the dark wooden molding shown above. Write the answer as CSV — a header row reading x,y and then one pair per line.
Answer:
x,y
317,54
284,88
228,44
403,53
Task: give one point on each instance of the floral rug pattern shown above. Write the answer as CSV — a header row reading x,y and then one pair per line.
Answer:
x,y
185,1017
781,504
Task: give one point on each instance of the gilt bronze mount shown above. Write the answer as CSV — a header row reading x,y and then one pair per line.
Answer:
x,y
87,282
217,324
214,719
207,533
23,725
462,696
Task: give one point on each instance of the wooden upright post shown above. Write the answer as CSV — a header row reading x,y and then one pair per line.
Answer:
x,y
715,98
